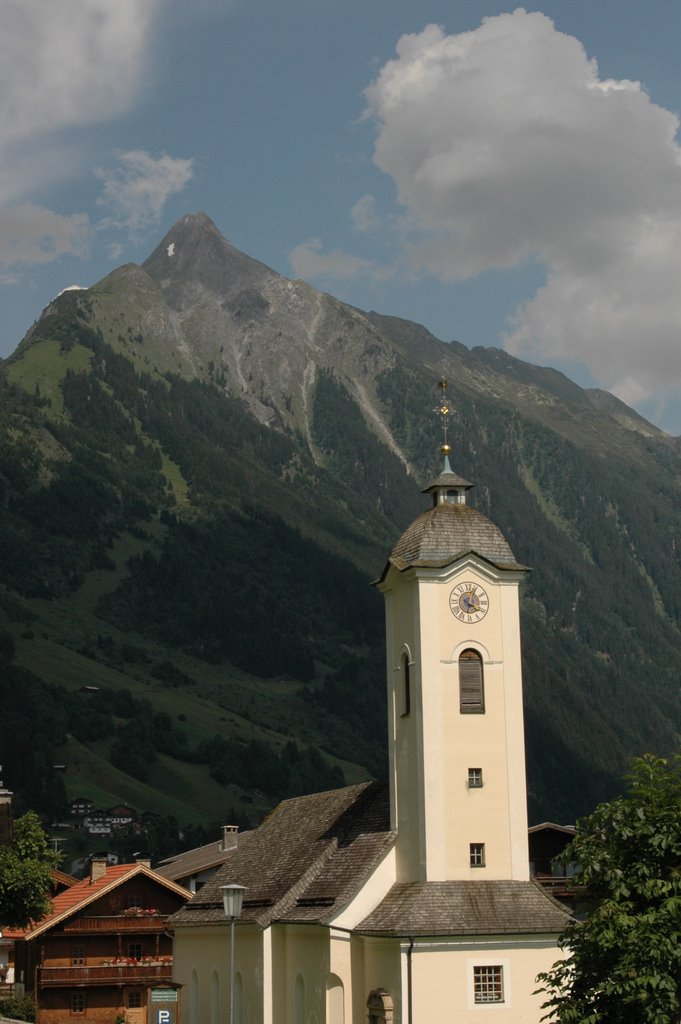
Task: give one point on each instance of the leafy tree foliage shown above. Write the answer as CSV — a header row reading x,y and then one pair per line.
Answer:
x,y
25,873
623,962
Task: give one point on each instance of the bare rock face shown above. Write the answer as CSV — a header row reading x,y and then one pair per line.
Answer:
x,y
258,335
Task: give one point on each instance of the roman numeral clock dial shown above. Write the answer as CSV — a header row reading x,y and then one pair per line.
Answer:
x,y
469,602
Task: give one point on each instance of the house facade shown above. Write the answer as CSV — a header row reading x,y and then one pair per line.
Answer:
x,y
409,902
104,950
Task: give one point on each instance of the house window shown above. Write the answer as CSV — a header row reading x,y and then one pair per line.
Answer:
x,y
77,1003
77,956
475,778
477,855
134,1000
471,685
406,682
133,903
488,984
135,950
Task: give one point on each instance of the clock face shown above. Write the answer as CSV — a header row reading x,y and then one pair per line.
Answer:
x,y
468,602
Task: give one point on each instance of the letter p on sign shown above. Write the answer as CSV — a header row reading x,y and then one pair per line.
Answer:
x,y
164,1017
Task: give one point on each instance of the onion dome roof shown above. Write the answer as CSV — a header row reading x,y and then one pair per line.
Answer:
x,y
445,533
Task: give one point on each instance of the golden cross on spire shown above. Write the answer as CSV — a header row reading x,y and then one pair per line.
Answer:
x,y
444,412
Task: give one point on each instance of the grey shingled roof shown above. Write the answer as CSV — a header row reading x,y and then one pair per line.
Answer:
x,y
191,862
446,532
465,908
305,862
447,479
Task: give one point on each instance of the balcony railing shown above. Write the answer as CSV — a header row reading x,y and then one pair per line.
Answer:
x,y
117,923
111,974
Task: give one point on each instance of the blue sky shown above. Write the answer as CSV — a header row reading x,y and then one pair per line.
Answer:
x,y
504,176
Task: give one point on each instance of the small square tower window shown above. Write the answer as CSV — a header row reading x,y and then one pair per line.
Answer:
x,y
488,984
475,778
477,855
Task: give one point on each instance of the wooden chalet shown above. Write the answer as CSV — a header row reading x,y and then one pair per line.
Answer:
x,y
104,950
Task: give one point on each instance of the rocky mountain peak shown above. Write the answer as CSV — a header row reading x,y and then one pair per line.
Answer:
x,y
193,259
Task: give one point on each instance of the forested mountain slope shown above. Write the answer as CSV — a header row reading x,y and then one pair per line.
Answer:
x,y
203,465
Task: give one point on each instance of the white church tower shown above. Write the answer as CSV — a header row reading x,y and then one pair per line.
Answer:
x,y
455,709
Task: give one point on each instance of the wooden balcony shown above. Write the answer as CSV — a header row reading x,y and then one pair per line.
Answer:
x,y
110,974
113,925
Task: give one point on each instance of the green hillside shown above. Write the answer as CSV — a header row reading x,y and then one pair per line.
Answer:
x,y
200,550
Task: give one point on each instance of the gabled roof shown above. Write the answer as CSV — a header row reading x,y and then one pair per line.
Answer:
x,y
465,908
305,862
191,862
78,896
550,826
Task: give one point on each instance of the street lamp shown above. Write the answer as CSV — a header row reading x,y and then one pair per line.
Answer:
x,y
232,898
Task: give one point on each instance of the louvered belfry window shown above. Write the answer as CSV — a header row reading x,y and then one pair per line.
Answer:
x,y
471,684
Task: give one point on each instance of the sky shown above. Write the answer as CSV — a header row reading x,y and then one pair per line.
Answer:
x,y
505,176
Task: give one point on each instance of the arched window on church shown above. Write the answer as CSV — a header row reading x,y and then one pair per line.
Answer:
x,y
471,684
214,998
194,998
406,685
299,1000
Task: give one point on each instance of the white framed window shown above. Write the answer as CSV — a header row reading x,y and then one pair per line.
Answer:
x,y
475,778
477,855
488,983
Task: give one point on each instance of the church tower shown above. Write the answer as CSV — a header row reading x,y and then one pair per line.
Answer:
x,y
455,707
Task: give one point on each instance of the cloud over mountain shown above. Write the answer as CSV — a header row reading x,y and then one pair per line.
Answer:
x,y
507,147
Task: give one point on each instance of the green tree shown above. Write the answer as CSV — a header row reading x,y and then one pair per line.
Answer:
x,y
623,961
26,864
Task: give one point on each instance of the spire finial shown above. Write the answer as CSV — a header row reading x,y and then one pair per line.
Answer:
x,y
443,412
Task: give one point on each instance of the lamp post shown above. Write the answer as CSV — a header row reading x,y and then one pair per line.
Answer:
x,y
232,898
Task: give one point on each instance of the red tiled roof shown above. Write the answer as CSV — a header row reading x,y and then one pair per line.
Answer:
x,y
84,892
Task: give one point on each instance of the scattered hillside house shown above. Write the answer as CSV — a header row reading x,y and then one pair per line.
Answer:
x,y
410,902
5,812
193,868
104,950
121,816
98,823
81,806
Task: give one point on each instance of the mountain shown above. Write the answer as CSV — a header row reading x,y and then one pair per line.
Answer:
x,y
203,465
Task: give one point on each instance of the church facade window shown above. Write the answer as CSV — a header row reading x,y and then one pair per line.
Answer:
x,y
488,984
406,685
477,855
471,684
475,778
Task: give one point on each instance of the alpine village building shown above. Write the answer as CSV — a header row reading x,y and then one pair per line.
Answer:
x,y
411,902
103,953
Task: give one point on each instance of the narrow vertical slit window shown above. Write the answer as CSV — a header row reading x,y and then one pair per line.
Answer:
x,y
471,684
406,685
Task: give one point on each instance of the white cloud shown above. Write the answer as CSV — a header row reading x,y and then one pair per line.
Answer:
x,y
32,234
137,190
309,261
69,63
62,66
364,216
506,147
